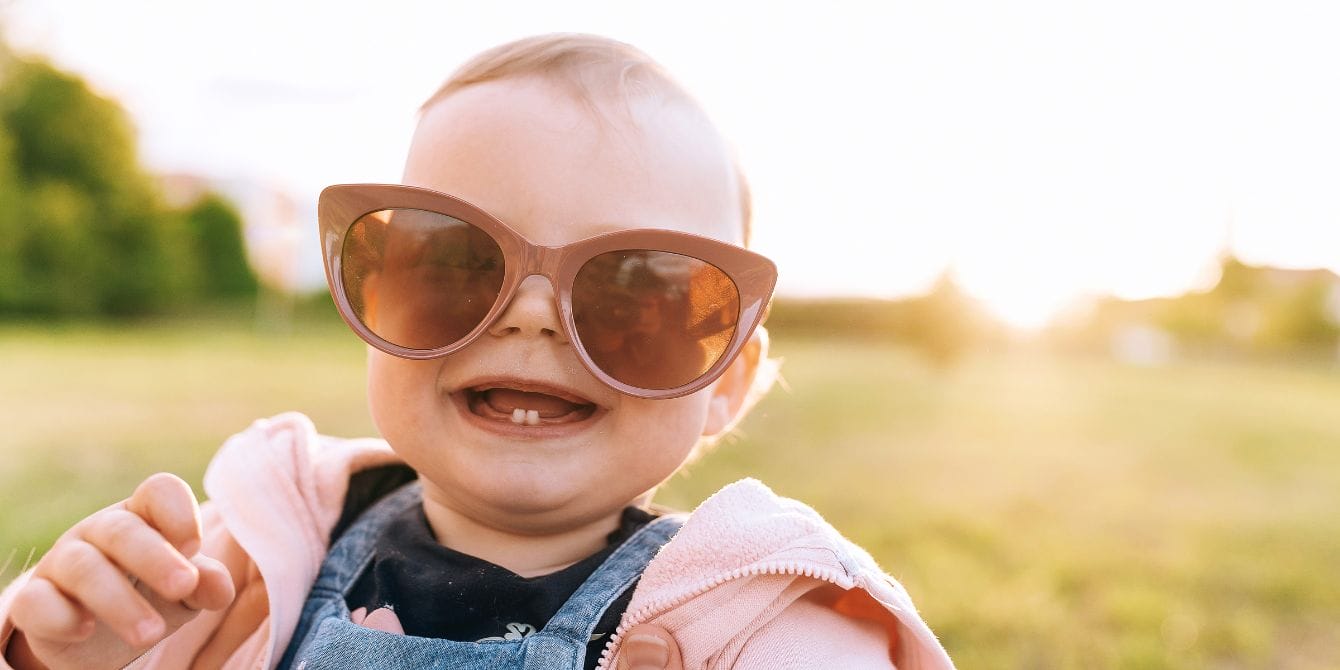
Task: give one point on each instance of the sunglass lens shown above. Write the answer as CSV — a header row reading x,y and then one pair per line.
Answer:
x,y
420,279
654,319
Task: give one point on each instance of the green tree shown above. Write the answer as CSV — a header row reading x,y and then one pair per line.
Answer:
x,y
1300,318
84,229
10,203
9,224
88,238
1237,280
216,231
944,323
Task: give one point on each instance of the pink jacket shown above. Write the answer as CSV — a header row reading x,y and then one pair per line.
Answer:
x,y
752,580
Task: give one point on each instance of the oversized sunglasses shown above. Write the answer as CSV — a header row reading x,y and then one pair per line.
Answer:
x,y
652,313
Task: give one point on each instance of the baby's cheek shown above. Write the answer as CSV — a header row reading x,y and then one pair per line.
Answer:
x,y
672,427
400,391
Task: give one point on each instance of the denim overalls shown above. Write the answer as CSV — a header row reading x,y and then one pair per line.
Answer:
x,y
327,638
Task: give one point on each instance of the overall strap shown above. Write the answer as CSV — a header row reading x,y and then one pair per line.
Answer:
x,y
572,626
346,560
352,552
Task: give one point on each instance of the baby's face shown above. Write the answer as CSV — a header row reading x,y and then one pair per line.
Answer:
x,y
545,164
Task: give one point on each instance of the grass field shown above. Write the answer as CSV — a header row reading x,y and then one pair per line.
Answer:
x,y
1044,512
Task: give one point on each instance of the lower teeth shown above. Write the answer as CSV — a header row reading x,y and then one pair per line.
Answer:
x,y
529,417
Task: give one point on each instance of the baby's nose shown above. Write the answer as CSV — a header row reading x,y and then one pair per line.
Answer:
x,y
532,311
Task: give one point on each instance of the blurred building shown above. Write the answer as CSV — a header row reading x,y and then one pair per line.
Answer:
x,y
280,229
1143,344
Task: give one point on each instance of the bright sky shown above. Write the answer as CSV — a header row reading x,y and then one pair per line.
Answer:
x,y
1042,149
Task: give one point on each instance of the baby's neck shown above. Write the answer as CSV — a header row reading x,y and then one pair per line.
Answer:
x,y
526,554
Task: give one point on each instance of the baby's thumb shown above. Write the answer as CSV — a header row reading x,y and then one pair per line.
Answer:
x,y
215,590
649,647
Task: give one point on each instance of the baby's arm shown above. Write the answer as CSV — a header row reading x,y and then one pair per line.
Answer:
x,y
117,582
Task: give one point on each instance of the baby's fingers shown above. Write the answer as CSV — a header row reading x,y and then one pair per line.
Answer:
x,y
128,541
86,576
169,506
214,590
43,612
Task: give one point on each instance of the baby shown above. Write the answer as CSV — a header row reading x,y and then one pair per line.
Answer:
x,y
559,310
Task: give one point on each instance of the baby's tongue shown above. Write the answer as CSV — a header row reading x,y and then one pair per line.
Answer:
x,y
506,400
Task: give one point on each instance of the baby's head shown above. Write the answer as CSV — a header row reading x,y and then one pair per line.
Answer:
x,y
559,139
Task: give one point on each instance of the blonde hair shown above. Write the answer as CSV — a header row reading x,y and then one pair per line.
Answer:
x,y
590,67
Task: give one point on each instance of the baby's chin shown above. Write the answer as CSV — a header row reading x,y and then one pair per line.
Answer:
x,y
573,477
528,498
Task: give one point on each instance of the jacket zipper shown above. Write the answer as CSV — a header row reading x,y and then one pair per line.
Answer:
x,y
144,654
644,613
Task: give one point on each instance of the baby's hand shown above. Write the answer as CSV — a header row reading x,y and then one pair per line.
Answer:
x,y
118,582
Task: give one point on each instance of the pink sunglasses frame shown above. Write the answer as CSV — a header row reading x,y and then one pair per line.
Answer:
x,y
341,205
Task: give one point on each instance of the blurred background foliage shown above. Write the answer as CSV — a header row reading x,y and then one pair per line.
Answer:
x,y
1147,484
84,228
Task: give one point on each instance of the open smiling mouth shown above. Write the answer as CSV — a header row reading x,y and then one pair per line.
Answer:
x,y
530,407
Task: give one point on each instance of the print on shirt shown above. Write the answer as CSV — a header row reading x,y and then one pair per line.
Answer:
x,y
515,631
519,631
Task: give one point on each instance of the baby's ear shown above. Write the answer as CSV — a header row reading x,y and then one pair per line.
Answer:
x,y
734,393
